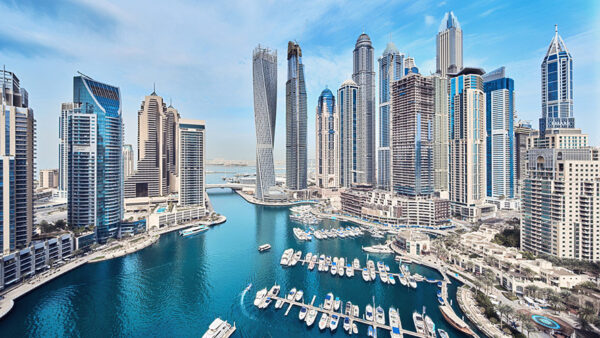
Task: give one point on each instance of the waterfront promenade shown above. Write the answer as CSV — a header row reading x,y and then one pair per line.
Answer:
x,y
252,200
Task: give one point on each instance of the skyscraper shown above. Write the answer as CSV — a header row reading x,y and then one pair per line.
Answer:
x,y
522,131
295,101
191,147
364,77
327,142
449,46
156,173
557,86
350,124
264,78
500,141
92,141
128,167
391,68
17,162
440,133
467,143
412,117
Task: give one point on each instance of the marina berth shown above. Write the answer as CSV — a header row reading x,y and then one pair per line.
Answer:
x,y
219,329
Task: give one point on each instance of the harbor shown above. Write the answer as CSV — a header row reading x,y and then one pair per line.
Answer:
x,y
179,285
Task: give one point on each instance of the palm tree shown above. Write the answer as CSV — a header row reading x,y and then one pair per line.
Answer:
x,y
521,318
488,279
529,326
586,316
531,290
504,309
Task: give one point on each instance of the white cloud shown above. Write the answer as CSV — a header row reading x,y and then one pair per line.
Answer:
x,y
429,20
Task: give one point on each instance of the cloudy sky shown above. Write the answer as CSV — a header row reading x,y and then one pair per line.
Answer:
x,y
199,54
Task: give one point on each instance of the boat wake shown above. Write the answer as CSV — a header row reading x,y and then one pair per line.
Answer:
x,y
243,306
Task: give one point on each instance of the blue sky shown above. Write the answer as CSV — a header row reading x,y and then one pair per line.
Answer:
x,y
199,54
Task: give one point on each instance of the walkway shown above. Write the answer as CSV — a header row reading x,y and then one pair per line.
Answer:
x,y
468,305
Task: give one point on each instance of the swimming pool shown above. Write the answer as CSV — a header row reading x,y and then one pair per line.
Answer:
x,y
545,322
161,209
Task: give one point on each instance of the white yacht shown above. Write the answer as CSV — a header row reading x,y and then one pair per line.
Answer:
x,y
391,279
369,313
291,294
302,313
299,295
193,230
308,257
274,290
341,267
324,321
328,304
337,303
349,270
311,316
295,258
383,276
219,329
260,295
356,263
429,327
265,303
394,323
334,268
335,319
285,258
279,303
366,275
380,315
355,311
347,324
412,282
419,322
443,333
264,247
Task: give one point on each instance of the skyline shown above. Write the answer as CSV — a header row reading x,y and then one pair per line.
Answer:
x,y
201,82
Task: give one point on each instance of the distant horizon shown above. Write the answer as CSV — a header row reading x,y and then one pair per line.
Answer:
x,y
208,76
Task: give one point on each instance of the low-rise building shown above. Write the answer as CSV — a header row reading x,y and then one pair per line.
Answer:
x,y
413,242
162,217
49,178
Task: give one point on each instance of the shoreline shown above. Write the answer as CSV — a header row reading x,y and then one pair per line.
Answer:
x,y
8,297
254,201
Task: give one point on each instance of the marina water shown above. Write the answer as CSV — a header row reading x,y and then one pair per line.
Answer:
x,y
176,287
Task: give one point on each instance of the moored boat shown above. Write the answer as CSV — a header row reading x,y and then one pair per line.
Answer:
x,y
369,313
310,317
291,294
394,323
219,329
260,295
328,303
335,319
302,313
324,321
299,295
193,230
380,315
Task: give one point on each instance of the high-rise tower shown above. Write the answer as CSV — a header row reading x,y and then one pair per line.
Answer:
x,y
295,112
557,86
412,116
350,125
128,166
92,141
364,77
191,147
264,78
500,140
440,133
449,46
17,164
391,68
156,173
327,142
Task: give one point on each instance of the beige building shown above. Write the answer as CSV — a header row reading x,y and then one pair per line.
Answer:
x,y
157,162
413,242
128,163
48,178
327,165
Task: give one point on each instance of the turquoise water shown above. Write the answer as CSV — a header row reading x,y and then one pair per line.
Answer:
x,y
176,287
161,210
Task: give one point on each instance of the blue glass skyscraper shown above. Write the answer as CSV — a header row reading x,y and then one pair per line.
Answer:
x,y
92,140
557,87
500,140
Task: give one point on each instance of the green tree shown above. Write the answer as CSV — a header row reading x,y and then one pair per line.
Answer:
x,y
529,326
585,317
60,223
504,310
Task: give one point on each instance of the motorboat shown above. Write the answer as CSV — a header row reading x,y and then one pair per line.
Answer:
x,y
349,270
299,295
279,303
333,324
394,323
337,303
323,321
366,275
373,275
383,276
328,304
265,303
355,311
219,329
274,290
403,280
412,282
285,258
348,308
370,331
419,322
440,300
310,317
356,263
341,267
354,328
193,230
334,269
264,247
291,294
443,333
429,327
248,287
391,279
308,257
311,265
380,315
295,258
369,313
302,313
347,324
260,295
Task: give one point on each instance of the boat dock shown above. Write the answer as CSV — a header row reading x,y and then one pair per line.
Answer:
x,y
359,320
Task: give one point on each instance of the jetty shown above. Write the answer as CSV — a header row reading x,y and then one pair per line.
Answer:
x,y
359,320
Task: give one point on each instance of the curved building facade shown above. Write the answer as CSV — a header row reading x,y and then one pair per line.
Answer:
x,y
264,79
